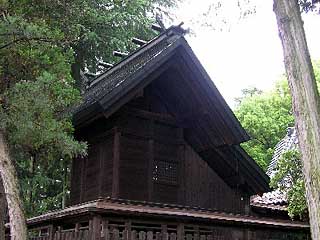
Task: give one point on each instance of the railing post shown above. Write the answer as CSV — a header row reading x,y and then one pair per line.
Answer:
x,y
127,232
95,228
59,233
51,232
105,229
164,232
196,233
180,231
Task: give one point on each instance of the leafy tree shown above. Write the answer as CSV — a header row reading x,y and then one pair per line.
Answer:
x,y
265,116
289,179
43,46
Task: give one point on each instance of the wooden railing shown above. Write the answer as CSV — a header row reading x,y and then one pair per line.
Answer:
x,y
124,230
117,235
103,229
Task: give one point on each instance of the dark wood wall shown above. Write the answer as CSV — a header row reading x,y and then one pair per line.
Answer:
x,y
205,188
140,153
150,162
92,176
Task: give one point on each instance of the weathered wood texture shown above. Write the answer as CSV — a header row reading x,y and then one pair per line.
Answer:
x,y
92,175
117,229
155,164
306,101
164,146
206,189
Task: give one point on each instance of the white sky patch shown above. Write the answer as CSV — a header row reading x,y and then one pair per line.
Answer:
x,y
249,52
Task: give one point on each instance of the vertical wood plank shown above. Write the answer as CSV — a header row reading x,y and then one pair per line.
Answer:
x,y
189,237
105,228
142,235
150,169
115,235
164,232
101,168
173,236
51,232
180,231
150,160
116,162
128,229
158,236
196,233
77,227
134,235
149,235
181,174
96,228
82,178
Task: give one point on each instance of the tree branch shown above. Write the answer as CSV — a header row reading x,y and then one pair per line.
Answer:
x,y
24,39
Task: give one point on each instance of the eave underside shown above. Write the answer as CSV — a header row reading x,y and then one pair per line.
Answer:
x,y
162,211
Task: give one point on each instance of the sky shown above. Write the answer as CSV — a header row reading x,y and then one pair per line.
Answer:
x,y
243,53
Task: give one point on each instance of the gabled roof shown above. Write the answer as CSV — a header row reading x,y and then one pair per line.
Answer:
x,y
104,87
211,127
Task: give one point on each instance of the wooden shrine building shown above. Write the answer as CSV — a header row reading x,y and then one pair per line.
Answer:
x,y
164,159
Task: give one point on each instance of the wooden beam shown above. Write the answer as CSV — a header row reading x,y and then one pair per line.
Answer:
x,y
157,28
90,74
105,64
138,41
119,54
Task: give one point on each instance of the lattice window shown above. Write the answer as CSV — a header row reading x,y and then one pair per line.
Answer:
x,y
166,172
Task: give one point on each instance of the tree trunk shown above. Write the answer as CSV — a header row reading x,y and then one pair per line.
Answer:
x,y
2,210
18,229
306,102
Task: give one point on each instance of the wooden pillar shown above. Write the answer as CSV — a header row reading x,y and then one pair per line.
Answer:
x,y
58,232
196,233
127,235
116,161
180,231
95,228
164,232
51,232
105,229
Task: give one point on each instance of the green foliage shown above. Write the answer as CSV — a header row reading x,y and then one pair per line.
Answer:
x,y
265,116
43,46
289,179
